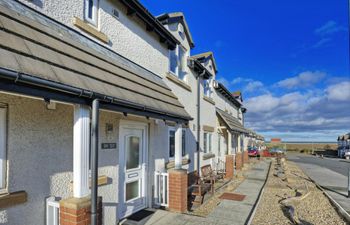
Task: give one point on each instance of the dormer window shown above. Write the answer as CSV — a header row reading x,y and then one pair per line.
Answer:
x,y
178,62
91,11
207,88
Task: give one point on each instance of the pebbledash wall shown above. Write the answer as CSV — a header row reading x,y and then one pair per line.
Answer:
x,y
127,34
40,157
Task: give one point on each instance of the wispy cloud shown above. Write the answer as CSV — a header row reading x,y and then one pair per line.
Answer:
x,y
304,79
328,28
321,43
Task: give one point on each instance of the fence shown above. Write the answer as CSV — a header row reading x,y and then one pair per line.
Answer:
x,y
161,187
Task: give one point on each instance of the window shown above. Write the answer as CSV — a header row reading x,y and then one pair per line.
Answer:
x,y
172,142
91,11
3,147
207,142
207,88
178,62
219,144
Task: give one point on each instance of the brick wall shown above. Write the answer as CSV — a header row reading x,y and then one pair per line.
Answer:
x,y
229,166
77,211
178,183
238,161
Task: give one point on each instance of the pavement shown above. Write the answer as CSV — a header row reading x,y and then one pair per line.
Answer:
x,y
227,212
330,173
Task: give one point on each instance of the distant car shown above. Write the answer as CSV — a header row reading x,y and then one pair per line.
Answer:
x,y
277,151
253,152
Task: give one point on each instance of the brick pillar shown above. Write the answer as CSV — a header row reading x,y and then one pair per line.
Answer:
x,y
239,161
178,179
245,156
76,211
229,165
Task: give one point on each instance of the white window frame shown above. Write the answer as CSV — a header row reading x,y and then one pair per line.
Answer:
x,y
207,142
180,62
183,151
171,129
3,150
94,12
207,87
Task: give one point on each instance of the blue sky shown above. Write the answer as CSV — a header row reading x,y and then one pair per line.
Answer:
x,y
290,59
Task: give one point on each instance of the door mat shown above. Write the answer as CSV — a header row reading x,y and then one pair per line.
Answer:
x,y
231,196
140,215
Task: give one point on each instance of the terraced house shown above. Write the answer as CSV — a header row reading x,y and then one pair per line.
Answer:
x,y
105,112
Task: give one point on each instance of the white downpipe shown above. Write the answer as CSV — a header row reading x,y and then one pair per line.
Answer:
x,y
81,145
229,142
178,147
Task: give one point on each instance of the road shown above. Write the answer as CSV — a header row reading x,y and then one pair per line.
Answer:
x,y
330,173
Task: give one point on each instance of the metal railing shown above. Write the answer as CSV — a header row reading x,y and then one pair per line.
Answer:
x,y
161,188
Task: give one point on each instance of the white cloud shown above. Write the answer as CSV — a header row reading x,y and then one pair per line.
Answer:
x,y
302,114
329,27
304,79
339,92
253,86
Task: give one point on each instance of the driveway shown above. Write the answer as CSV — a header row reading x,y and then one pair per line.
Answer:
x,y
330,173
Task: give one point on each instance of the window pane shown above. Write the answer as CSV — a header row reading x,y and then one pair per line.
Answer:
x,y
133,153
173,61
171,143
182,63
183,142
3,147
205,143
210,142
89,8
132,190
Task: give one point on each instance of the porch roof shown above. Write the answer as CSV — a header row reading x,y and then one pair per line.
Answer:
x,y
232,123
41,56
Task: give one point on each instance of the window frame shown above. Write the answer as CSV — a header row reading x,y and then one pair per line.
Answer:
x,y
183,136
207,88
207,142
94,12
4,169
180,63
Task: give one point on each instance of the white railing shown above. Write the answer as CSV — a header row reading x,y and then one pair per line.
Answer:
x,y
161,187
220,164
52,211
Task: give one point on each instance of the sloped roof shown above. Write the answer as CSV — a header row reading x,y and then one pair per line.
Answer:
x,y
226,93
177,17
35,46
232,123
204,56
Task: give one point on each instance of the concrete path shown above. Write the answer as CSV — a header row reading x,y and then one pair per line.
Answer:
x,y
325,172
227,212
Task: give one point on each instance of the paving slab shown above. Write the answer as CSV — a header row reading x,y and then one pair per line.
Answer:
x,y
228,212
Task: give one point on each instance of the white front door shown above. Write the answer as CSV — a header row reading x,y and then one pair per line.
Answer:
x,y
132,168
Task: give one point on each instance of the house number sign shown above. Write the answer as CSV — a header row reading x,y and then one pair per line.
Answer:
x,y
109,145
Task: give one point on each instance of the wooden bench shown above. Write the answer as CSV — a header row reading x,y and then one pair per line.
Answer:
x,y
199,189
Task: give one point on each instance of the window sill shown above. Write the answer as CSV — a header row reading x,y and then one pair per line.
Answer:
x,y
208,99
90,29
14,198
177,81
208,156
171,163
208,128
101,180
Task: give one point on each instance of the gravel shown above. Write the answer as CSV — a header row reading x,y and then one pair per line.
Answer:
x,y
310,207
